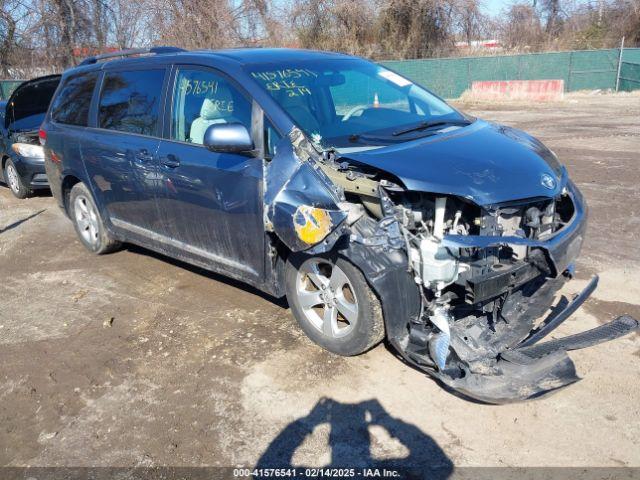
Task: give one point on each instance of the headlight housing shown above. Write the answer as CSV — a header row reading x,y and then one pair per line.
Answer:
x,y
28,150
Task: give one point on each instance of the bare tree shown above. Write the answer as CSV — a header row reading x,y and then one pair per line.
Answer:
x,y
67,26
8,32
469,20
43,36
521,28
552,10
131,23
343,25
416,28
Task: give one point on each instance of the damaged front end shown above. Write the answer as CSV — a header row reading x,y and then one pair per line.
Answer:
x,y
463,287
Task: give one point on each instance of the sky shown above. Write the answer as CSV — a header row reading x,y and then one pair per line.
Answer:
x,y
494,7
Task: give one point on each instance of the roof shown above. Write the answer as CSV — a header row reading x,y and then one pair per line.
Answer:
x,y
239,56
266,55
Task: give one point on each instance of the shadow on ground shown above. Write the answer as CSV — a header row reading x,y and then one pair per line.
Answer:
x,y
17,223
351,439
218,277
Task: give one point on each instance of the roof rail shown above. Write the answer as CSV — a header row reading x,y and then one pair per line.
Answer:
x,y
131,52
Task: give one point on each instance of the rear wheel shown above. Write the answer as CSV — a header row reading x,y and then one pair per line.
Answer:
x,y
88,223
333,303
15,182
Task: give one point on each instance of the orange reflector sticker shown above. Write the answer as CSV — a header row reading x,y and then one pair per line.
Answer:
x,y
311,224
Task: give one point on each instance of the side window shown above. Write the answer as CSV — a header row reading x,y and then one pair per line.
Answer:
x,y
202,98
130,101
71,105
271,138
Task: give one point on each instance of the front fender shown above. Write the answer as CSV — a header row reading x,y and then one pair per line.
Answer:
x,y
301,202
386,270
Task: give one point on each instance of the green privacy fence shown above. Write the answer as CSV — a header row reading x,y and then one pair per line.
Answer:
x,y
629,76
7,87
580,70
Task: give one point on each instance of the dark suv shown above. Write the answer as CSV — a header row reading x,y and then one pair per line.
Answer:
x,y
21,155
379,210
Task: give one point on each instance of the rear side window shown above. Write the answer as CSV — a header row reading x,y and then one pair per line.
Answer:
x,y
130,101
71,105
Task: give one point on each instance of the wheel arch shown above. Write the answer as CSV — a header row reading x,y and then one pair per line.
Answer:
x,y
387,275
3,162
10,156
275,265
67,184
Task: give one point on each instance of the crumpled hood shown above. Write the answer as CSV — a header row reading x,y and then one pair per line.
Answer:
x,y
484,162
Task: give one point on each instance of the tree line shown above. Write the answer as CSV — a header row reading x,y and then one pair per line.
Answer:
x,y
43,36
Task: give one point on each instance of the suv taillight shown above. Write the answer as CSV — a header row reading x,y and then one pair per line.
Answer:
x,y
42,135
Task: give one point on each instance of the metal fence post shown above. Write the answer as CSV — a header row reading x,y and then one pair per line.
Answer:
x,y
519,67
567,88
619,64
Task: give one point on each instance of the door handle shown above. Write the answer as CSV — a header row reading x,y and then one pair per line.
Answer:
x,y
143,155
170,161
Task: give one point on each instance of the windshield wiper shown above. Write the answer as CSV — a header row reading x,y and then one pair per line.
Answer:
x,y
358,137
429,124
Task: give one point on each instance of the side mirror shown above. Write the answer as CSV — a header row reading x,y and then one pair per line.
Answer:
x,y
228,137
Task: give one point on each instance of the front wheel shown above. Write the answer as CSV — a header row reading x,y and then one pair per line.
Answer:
x,y
15,182
333,303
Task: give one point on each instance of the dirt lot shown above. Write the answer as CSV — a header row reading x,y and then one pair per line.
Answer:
x,y
132,359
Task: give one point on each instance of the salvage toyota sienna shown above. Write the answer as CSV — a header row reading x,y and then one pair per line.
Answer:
x,y
380,211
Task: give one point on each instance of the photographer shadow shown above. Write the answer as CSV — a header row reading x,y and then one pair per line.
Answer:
x,y
350,440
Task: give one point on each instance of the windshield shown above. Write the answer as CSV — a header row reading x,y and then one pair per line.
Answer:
x,y
348,103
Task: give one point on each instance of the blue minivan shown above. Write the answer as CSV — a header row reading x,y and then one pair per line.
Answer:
x,y
379,210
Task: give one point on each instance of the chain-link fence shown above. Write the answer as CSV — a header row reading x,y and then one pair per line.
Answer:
x,y
580,70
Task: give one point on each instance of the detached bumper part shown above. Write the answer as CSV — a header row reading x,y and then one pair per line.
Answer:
x,y
617,328
553,322
512,382
504,368
534,371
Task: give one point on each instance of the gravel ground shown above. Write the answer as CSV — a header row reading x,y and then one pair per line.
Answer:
x,y
133,359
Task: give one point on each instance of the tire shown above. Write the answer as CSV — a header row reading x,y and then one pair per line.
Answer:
x,y
354,312
88,222
15,182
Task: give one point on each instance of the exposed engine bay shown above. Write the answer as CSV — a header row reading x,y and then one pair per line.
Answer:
x,y
467,290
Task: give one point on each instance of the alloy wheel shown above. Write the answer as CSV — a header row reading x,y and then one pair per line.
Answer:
x,y
12,178
86,219
327,297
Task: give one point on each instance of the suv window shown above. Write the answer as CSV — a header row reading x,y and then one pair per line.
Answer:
x,y
130,101
202,98
71,105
